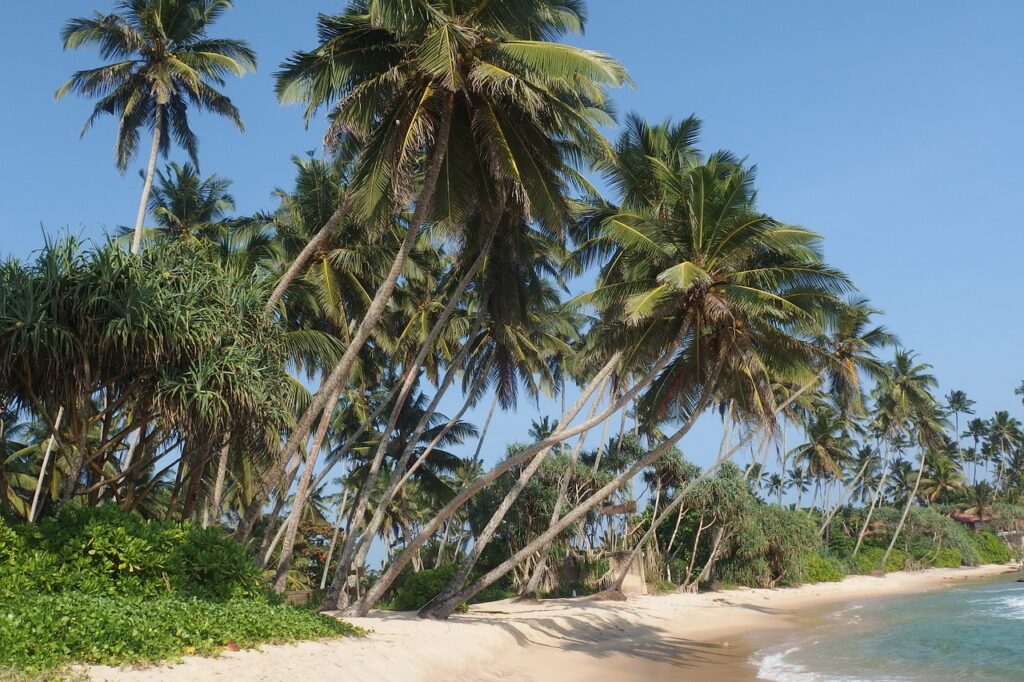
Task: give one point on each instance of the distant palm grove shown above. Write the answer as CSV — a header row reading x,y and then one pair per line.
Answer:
x,y
279,377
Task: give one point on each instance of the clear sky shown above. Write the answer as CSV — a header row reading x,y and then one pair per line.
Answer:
x,y
892,128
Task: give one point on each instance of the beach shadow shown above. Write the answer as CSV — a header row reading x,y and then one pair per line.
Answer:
x,y
602,635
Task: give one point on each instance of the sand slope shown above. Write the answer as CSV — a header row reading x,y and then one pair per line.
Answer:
x,y
672,637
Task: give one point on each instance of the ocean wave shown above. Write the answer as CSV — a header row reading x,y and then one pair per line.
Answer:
x,y
1008,607
777,665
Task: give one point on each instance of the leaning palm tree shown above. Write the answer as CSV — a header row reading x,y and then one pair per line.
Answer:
x,y
471,92
701,283
163,62
909,387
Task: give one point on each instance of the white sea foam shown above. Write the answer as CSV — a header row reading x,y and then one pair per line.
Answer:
x,y
1008,607
777,665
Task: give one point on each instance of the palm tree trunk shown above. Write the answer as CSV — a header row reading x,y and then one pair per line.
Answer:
x,y
388,577
147,185
335,595
44,467
339,376
222,471
487,534
906,511
533,584
402,474
334,539
486,426
441,609
847,489
874,501
301,493
308,251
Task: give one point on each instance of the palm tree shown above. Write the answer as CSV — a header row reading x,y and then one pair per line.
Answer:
x,y
1004,434
186,205
908,388
958,403
977,429
690,258
164,62
776,486
828,448
469,88
942,478
797,478
851,346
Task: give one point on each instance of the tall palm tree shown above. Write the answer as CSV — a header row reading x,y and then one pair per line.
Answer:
x,y
908,388
828,448
163,63
977,429
1004,434
958,403
475,89
692,258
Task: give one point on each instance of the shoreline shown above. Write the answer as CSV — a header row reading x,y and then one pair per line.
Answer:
x,y
655,637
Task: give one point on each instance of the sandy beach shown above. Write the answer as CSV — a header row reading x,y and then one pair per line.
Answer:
x,y
665,637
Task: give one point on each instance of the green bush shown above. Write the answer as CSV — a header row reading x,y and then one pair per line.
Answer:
x,y
948,557
816,568
43,631
105,551
420,588
989,548
870,558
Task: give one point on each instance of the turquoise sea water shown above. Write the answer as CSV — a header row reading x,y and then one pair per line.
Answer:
x,y
975,632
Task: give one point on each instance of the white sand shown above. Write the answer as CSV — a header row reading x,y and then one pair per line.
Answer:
x,y
671,637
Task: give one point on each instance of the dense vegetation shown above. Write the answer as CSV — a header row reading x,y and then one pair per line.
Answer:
x,y
103,586
278,376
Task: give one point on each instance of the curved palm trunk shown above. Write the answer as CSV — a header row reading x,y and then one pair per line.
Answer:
x,y
308,251
335,596
724,453
398,480
874,503
847,489
443,609
487,534
486,426
903,518
147,185
339,376
388,577
301,493
533,584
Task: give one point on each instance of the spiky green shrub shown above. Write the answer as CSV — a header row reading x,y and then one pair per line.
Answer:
x,y
989,548
816,568
105,551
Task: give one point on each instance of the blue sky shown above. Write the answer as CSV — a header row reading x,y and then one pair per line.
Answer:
x,y
891,128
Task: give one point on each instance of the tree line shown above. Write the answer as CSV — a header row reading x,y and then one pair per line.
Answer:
x,y
281,374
